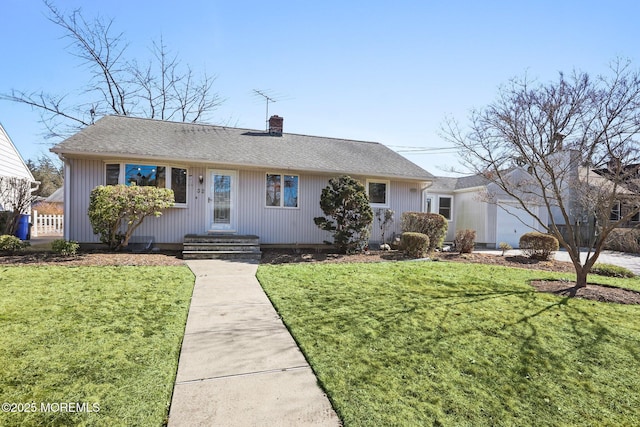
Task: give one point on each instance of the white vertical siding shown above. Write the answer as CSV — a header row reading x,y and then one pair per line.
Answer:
x,y
492,223
403,197
472,213
272,225
296,226
11,163
85,176
280,225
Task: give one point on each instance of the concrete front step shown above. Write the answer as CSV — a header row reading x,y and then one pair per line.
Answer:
x,y
252,255
221,246
228,247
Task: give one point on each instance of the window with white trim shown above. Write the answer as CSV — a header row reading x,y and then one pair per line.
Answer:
x,y
171,177
444,207
615,211
113,174
378,192
281,190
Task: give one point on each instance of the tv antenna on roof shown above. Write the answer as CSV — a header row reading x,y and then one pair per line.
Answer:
x,y
268,98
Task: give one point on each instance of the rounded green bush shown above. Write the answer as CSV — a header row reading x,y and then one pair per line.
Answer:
x,y
11,244
538,245
64,247
415,245
432,224
611,270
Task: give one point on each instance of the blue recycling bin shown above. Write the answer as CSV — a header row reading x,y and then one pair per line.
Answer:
x,y
22,232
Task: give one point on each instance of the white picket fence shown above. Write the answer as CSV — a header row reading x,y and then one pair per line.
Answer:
x,y
46,224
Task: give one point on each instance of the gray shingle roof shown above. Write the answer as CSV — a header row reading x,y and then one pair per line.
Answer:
x,y
56,197
119,136
471,182
443,184
449,184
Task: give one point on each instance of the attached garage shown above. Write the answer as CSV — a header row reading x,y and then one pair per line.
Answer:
x,y
512,222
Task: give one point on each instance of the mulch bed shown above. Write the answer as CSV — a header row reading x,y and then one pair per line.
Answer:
x,y
591,291
282,256
95,259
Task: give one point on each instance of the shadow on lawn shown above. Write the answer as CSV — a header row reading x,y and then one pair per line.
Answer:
x,y
588,331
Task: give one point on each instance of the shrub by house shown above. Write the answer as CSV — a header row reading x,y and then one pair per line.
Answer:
x,y
538,245
414,245
115,211
348,215
465,241
432,224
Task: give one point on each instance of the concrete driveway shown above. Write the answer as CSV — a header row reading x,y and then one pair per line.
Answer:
x,y
622,259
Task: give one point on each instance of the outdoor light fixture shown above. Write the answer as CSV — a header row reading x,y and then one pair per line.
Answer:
x,y
201,179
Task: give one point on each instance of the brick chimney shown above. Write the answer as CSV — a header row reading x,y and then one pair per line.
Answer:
x,y
275,125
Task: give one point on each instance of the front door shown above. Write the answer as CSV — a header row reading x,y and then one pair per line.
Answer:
x,y
222,200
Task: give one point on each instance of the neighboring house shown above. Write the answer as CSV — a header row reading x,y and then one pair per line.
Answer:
x,y
628,197
11,165
463,202
230,180
56,198
583,184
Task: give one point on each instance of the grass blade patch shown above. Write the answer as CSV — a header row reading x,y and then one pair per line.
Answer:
x,y
459,344
99,335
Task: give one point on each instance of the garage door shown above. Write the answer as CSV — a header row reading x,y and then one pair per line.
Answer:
x,y
512,222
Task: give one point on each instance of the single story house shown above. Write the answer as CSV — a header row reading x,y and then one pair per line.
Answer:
x,y
463,202
11,165
229,180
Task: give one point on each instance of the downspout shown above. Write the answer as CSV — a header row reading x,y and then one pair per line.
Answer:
x,y
423,191
66,200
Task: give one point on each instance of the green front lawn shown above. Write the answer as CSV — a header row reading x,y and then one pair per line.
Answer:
x,y
106,339
460,344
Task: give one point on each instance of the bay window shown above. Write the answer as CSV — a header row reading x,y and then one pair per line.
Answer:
x,y
149,175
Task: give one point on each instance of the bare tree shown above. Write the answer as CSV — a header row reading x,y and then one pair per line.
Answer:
x,y
16,197
573,141
161,88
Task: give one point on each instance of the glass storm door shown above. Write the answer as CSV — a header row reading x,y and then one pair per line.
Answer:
x,y
222,215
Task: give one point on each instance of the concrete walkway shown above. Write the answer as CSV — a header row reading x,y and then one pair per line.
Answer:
x,y
239,366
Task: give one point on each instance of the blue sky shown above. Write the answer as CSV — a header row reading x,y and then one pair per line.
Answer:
x,y
368,70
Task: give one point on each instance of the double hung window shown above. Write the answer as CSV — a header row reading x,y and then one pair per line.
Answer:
x,y
444,207
281,190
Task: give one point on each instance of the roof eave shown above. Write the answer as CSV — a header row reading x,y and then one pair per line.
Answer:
x,y
109,155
